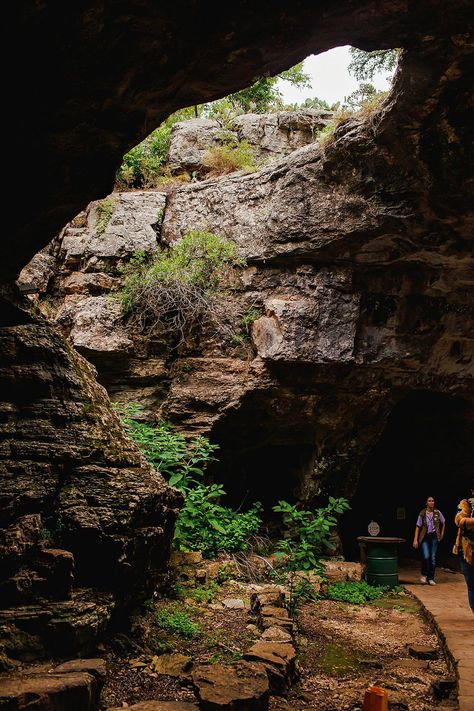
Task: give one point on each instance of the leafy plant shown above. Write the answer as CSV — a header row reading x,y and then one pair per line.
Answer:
x,y
174,620
262,96
203,593
143,165
203,523
354,592
364,65
104,211
167,451
308,534
176,289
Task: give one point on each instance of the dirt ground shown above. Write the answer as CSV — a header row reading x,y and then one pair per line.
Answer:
x,y
342,649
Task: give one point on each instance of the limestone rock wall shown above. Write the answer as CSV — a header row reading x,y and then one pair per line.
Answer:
x,y
79,507
358,305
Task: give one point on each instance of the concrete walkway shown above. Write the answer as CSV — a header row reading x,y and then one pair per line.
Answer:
x,y
446,603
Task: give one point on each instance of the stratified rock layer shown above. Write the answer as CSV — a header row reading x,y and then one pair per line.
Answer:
x,y
79,506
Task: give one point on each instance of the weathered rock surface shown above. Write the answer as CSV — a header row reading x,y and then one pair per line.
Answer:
x,y
95,667
279,660
243,685
119,74
189,142
379,221
73,691
59,628
280,133
271,136
341,571
172,664
78,505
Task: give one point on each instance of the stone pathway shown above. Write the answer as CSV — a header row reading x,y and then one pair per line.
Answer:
x,y
447,605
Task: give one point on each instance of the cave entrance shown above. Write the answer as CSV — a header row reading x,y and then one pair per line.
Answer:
x,y
266,451
426,449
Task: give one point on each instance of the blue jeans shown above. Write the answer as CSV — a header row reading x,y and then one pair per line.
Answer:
x,y
429,548
468,572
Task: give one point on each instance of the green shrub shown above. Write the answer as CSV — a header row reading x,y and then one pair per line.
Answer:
x,y
174,620
176,289
104,212
357,593
176,458
203,523
203,594
144,164
308,533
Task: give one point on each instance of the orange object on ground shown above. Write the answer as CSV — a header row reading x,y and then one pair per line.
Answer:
x,y
376,699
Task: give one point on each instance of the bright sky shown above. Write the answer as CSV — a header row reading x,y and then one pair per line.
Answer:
x,y
330,79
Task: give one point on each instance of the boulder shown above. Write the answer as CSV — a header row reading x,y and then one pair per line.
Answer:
x,y
243,686
189,142
422,651
278,134
279,659
342,571
72,691
96,667
59,628
276,634
266,623
258,600
172,664
94,324
273,611
233,603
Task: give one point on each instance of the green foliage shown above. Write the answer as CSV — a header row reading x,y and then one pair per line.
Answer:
x,y
46,536
356,593
174,290
365,98
247,320
228,158
262,96
313,103
203,593
245,325
104,213
308,533
203,523
176,458
364,65
174,620
142,165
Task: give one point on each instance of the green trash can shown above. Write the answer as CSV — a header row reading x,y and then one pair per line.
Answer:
x,y
380,556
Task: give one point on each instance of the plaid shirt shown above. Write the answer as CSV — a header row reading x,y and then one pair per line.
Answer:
x,y
465,511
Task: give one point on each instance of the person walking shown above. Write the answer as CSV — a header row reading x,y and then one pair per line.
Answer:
x,y
464,520
429,531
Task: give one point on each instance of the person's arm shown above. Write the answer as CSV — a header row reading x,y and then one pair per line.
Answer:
x,y
443,525
419,523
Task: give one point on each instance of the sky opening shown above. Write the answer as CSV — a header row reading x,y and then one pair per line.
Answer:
x,y
331,80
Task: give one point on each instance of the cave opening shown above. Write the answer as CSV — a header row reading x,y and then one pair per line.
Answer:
x,y
426,449
266,451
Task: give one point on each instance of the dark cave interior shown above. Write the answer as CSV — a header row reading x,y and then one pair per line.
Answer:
x,y
426,449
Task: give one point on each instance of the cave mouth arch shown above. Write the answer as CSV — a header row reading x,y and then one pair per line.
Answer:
x,y
426,449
